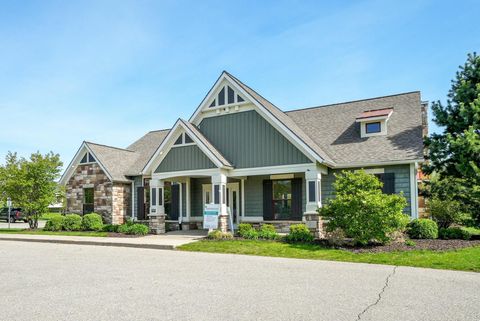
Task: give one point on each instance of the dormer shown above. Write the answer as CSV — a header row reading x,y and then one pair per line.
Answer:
x,y
374,122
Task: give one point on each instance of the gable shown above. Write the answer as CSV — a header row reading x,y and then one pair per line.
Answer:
x,y
247,140
182,158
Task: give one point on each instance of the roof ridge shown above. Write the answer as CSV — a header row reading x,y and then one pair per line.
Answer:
x,y
351,101
113,147
158,130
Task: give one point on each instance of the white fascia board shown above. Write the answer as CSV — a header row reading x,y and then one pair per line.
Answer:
x,y
167,144
372,164
189,173
272,120
101,165
76,161
207,97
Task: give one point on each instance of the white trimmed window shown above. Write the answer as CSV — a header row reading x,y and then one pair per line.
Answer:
x,y
87,158
183,139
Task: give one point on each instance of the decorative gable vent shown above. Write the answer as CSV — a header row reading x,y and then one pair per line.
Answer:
x,y
87,158
374,122
225,97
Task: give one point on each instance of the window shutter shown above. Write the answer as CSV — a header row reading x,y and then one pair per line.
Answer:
x,y
175,205
140,203
297,198
267,200
389,183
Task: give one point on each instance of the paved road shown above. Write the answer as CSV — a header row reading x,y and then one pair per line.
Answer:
x,y
4,224
73,282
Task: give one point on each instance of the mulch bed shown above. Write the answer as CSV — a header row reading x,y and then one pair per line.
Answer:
x,y
111,234
433,245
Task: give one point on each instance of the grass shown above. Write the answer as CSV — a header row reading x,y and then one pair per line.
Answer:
x,y
42,232
467,259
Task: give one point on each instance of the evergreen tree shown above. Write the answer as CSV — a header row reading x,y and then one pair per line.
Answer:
x,y
456,151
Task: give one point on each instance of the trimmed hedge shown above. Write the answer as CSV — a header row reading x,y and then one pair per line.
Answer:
x,y
454,233
72,222
299,233
54,224
132,229
110,228
422,228
92,222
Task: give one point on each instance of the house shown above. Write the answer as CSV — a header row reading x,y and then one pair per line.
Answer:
x,y
258,163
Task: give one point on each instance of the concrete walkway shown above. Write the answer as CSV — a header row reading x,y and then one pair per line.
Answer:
x,y
168,241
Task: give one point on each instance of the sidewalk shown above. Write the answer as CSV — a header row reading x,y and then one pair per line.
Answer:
x,y
168,241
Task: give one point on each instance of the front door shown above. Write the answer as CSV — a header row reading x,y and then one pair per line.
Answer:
x,y
233,201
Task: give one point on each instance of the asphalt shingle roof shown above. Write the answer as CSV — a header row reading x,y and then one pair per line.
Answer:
x,y
334,127
331,131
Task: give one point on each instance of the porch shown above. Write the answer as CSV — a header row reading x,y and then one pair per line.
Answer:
x,y
178,200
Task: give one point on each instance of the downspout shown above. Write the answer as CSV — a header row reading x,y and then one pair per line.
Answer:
x,y
133,200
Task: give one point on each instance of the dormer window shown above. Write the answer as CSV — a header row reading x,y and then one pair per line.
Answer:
x,y
87,158
183,139
371,128
374,122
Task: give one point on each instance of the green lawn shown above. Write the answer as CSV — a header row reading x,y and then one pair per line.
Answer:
x,y
467,259
42,232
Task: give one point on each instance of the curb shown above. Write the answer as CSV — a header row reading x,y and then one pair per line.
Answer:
x,y
113,244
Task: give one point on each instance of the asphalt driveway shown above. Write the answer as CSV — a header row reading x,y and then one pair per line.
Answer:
x,y
72,282
4,224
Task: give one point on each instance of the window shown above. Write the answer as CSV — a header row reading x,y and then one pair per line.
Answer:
x,y
371,128
153,197
88,200
282,199
216,194
311,191
388,180
226,96
179,140
188,140
87,158
231,95
221,97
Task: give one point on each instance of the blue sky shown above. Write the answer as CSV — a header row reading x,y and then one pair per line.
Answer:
x,y
109,71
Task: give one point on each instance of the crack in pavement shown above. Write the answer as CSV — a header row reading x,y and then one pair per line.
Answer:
x,y
387,280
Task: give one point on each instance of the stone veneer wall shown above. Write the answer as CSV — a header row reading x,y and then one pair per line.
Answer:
x,y
122,202
90,176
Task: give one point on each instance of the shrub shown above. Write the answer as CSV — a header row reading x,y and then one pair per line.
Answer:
x,y
219,235
362,211
110,228
250,234
422,228
454,233
92,222
55,223
244,228
267,232
446,212
124,228
299,233
72,222
138,229
410,243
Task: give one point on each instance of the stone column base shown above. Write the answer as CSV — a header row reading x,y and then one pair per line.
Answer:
x,y
223,223
315,223
157,223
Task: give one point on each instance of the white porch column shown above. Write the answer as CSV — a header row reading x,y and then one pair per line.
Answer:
x,y
157,208
311,217
219,192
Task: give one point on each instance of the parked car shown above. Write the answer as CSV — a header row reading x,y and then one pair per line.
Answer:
x,y
16,214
